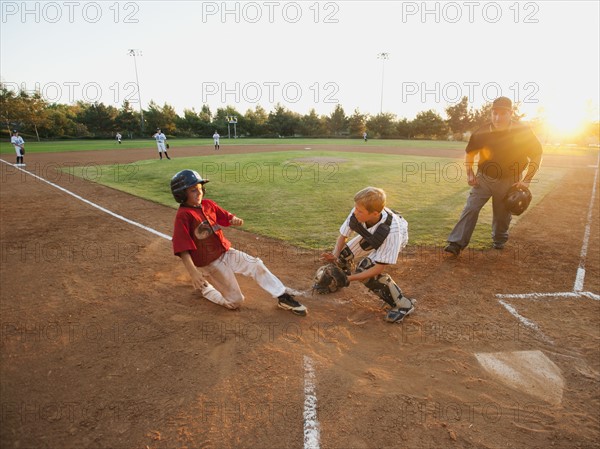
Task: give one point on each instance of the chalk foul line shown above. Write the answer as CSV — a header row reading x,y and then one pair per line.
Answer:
x,y
311,423
97,206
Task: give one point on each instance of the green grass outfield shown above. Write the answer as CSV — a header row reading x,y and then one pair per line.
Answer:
x,y
90,145
303,197
87,145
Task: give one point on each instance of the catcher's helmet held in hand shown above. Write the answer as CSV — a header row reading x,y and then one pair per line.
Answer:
x,y
182,181
517,199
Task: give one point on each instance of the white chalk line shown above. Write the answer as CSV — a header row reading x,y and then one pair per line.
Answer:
x,y
530,324
586,237
103,209
579,278
550,295
311,423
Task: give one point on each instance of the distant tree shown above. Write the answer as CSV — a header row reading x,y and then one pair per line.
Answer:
x,y
405,129
98,118
35,112
460,117
429,125
205,114
283,122
61,122
26,112
357,124
382,125
256,121
337,123
481,116
12,108
128,121
311,124
206,118
189,124
163,117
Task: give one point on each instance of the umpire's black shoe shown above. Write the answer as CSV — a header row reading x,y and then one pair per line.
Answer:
x,y
453,248
287,302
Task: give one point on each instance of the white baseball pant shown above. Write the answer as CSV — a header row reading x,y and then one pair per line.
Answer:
x,y
223,287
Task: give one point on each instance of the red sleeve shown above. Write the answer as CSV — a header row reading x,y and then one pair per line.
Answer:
x,y
182,233
223,217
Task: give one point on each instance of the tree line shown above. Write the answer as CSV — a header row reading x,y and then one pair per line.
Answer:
x,y
32,115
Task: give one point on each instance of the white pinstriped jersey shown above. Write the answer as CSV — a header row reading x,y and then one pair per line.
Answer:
x,y
388,252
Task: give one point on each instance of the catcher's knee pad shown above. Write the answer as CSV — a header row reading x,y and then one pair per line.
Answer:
x,y
385,287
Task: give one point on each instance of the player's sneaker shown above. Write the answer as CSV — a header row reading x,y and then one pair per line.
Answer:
x,y
498,245
287,302
397,314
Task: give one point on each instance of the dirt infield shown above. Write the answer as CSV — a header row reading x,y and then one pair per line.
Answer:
x,y
106,345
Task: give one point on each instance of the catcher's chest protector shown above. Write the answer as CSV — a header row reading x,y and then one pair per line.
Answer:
x,y
375,240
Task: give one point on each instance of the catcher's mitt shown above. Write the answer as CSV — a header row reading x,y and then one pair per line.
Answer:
x,y
168,146
329,278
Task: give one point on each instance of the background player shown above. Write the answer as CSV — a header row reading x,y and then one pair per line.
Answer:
x,y
207,254
216,138
161,141
19,145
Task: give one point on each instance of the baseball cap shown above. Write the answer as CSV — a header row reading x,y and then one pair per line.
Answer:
x,y
502,103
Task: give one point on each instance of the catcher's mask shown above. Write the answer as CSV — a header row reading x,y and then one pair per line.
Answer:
x,y
517,199
182,181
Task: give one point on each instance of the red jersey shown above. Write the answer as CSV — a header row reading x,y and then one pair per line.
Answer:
x,y
187,220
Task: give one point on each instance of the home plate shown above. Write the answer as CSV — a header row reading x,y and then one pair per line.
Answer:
x,y
529,371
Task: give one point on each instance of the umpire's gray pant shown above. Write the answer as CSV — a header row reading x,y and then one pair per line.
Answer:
x,y
488,187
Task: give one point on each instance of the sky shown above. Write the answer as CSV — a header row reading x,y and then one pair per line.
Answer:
x,y
308,54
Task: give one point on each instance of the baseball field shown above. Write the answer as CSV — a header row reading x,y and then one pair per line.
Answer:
x,y
106,345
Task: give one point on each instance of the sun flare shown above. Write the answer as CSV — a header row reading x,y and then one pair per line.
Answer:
x,y
566,122
562,120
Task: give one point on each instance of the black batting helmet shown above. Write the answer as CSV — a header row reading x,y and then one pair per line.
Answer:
x,y
517,199
182,181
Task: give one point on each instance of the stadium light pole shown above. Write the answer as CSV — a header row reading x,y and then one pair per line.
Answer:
x,y
133,52
383,57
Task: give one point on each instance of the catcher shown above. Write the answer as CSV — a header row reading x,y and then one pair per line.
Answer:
x,y
381,235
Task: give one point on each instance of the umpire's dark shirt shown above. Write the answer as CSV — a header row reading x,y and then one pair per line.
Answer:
x,y
506,153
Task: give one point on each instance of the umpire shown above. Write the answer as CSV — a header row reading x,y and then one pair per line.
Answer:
x,y
505,148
